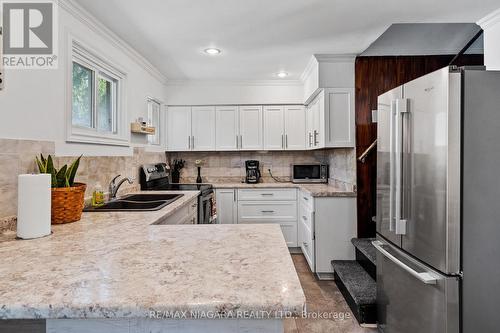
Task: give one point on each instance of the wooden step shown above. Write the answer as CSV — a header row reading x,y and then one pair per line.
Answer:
x,y
358,288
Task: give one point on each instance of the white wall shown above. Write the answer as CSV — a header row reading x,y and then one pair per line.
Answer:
x,y
491,27
208,93
32,106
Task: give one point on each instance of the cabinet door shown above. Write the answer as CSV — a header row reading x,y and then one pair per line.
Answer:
x,y
226,124
274,131
179,128
250,127
317,124
203,128
226,206
340,124
289,230
309,126
295,128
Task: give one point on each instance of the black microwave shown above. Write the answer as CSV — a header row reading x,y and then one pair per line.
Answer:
x,y
310,173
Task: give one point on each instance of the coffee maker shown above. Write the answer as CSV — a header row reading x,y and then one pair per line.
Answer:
x,y
253,172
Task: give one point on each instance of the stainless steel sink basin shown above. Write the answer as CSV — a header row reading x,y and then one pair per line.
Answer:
x,y
137,203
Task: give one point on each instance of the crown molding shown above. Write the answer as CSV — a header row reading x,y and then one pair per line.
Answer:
x,y
490,20
335,57
283,83
99,28
309,67
325,58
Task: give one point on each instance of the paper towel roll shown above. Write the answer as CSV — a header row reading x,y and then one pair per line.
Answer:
x,y
33,206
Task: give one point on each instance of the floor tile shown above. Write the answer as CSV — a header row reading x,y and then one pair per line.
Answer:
x,y
322,299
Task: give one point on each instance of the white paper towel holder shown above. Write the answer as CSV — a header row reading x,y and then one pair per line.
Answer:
x,y
34,206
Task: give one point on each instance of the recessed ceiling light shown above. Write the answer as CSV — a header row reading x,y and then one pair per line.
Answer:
x,y
212,51
282,74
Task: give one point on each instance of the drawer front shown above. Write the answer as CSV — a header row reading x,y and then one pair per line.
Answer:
x,y
267,211
306,200
176,218
306,243
269,194
306,216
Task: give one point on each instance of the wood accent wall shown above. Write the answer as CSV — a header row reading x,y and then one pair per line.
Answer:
x,y
374,76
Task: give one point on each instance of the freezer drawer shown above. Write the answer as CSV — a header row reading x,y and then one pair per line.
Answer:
x,y
412,298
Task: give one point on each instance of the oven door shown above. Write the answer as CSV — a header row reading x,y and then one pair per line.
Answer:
x,y
206,204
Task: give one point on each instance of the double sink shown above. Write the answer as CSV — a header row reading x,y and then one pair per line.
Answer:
x,y
137,202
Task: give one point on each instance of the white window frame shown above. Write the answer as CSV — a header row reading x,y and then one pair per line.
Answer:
x,y
85,56
159,129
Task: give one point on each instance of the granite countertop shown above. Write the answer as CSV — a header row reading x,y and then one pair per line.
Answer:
x,y
118,265
316,190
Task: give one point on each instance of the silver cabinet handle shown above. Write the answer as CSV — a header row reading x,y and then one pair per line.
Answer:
x,y
267,194
286,141
310,139
192,138
306,198
304,218
316,138
305,244
425,277
282,141
189,142
237,141
267,211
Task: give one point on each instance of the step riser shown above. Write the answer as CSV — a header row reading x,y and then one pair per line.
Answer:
x,y
367,265
365,314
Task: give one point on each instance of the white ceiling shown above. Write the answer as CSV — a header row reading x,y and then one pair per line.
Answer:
x,y
259,38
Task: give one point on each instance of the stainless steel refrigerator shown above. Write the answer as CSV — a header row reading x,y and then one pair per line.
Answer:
x,y
438,204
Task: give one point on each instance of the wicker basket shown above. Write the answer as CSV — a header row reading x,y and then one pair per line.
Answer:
x,y
68,203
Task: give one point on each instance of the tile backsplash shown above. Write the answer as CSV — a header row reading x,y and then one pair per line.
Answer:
x,y
18,157
230,166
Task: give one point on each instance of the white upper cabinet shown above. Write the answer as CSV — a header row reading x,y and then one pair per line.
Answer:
x,y
340,118
227,128
330,119
327,71
203,128
274,128
179,128
295,127
250,128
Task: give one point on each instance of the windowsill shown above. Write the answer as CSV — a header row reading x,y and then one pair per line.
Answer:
x,y
98,139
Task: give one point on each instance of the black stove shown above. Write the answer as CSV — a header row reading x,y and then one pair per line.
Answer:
x,y
155,177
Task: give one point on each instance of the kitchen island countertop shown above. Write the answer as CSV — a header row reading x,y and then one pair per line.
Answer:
x,y
118,265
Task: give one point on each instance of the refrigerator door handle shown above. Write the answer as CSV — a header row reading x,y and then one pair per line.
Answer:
x,y
392,119
401,107
425,277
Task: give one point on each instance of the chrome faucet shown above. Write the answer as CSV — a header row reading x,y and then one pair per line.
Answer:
x,y
113,186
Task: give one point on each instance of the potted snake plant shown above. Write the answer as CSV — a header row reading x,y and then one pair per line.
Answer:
x,y
68,197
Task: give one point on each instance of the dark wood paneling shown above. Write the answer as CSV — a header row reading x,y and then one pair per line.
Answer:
x,y
375,76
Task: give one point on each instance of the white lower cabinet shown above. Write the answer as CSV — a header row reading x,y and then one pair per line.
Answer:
x,y
321,226
226,206
277,206
326,227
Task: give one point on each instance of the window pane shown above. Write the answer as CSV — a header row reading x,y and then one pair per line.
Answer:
x,y
154,120
105,104
82,96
